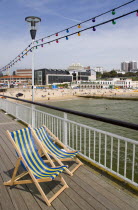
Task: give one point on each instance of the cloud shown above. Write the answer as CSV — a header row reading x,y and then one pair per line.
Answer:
x,y
43,8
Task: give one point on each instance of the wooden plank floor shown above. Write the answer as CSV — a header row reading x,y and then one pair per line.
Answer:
x,y
87,188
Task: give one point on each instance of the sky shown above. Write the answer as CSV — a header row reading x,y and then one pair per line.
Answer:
x,y
107,47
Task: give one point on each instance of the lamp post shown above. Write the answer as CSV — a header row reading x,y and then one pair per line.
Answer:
x,y
33,21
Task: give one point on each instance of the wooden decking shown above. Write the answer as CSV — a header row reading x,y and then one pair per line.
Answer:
x,y
87,188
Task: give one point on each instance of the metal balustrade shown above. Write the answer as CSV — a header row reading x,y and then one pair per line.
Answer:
x,y
114,153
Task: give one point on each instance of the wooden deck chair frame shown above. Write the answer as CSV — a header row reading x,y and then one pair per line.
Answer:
x,y
15,179
56,140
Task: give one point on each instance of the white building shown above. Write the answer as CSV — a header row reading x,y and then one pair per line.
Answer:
x,y
83,75
126,83
118,71
134,70
112,83
76,66
98,69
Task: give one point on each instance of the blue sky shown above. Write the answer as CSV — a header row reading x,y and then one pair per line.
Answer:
x,y
106,47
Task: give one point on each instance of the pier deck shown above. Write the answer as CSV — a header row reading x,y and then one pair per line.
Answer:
x,y
88,189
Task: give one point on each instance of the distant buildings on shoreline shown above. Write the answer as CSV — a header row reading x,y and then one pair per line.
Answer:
x,y
50,76
115,83
74,73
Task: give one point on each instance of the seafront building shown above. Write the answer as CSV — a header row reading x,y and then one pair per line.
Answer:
x,y
112,83
52,76
23,72
83,75
15,79
57,76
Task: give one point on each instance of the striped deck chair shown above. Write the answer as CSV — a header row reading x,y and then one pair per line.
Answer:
x,y
38,170
49,141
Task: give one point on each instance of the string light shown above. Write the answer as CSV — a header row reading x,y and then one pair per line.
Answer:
x,y
79,26
94,29
93,20
67,30
18,58
113,12
113,22
42,40
56,34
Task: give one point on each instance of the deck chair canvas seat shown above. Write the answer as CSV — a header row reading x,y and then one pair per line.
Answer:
x,y
48,138
38,170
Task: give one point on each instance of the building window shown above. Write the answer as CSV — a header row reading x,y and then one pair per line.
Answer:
x,y
59,79
39,78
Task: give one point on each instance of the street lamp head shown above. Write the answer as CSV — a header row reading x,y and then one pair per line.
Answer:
x,y
33,21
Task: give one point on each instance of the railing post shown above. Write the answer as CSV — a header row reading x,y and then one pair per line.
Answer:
x,y
33,116
65,129
16,110
6,107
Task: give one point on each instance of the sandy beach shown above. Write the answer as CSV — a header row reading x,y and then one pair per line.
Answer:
x,y
63,94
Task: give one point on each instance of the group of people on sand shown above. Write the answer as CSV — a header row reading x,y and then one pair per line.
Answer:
x,y
49,94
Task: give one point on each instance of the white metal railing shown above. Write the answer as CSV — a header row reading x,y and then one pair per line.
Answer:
x,y
114,153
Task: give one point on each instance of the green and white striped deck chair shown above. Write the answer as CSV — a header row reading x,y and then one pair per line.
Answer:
x,y
49,141
38,170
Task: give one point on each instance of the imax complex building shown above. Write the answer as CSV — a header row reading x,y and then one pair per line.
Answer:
x,y
56,76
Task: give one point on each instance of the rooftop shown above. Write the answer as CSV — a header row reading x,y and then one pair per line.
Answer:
x,y
19,70
14,76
